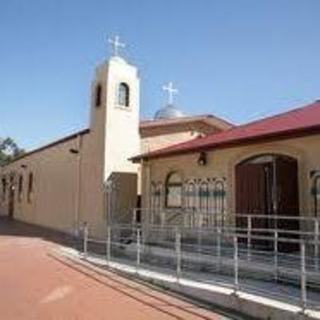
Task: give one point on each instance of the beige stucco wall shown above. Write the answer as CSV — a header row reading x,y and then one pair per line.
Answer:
x,y
92,194
221,164
122,140
53,200
68,187
93,197
163,140
157,137
152,129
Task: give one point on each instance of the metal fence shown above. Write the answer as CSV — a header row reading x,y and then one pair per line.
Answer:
x,y
238,259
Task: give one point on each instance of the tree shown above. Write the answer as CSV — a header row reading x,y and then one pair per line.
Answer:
x,y
9,151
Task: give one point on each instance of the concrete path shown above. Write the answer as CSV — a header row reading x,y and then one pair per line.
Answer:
x,y
36,285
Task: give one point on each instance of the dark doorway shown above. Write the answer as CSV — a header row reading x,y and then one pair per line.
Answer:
x,y
138,210
268,185
11,203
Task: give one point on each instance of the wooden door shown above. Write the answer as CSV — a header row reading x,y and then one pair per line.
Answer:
x,y
287,200
251,190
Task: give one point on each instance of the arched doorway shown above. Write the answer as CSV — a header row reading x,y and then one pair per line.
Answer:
x,y
268,185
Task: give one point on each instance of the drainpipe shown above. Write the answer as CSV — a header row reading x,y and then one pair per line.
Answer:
x,y
78,153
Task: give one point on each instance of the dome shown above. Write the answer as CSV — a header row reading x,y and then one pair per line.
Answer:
x,y
168,112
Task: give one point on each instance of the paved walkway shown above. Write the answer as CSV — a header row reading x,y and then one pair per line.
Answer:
x,y
36,285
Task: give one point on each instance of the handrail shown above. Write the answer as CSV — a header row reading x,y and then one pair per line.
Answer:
x,y
234,214
225,254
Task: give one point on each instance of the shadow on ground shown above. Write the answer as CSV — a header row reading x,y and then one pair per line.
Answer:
x,y
11,227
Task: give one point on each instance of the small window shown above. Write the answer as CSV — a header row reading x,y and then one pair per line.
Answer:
x,y
173,191
98,95
4,189
30,186
20,188
123,95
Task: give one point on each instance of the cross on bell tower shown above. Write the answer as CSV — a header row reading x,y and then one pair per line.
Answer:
x,y
171,91
116,45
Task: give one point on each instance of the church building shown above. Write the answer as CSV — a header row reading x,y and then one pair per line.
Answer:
x,y
263,175
88,176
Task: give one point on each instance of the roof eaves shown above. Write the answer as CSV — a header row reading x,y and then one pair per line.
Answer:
x,y
173,150
49,145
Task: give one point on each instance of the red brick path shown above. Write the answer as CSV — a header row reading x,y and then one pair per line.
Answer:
x,y
35,285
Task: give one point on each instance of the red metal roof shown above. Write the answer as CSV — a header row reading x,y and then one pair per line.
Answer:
x,y
301,121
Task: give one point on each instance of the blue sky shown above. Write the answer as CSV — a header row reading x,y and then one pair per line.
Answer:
x,y
237,59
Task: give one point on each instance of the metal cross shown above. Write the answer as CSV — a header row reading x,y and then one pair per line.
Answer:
x,y
171,91
116,44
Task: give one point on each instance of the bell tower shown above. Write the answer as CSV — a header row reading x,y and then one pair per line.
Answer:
x,y
122,139
114,124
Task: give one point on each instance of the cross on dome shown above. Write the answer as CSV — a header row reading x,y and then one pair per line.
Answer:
x,y
116,45
171,91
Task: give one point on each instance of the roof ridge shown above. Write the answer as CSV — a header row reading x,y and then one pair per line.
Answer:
x,y
201,117
274,116
257,121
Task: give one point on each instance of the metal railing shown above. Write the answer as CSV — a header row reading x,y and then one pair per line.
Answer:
x,y
276,226
206,218
220,255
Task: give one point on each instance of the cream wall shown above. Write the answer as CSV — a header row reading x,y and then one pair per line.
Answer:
x,y
53,201
92,194
221,164
93,198
164,140
157,137
122,140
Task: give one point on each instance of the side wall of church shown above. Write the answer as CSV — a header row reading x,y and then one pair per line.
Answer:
x,y
52,201
221,165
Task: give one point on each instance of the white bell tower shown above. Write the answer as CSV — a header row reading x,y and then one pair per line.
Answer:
x,y
115,124
122,139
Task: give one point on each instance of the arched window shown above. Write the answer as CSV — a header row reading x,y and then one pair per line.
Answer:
x,y
123,95
219,195
98,95
204,196
191,196
219,201
173,191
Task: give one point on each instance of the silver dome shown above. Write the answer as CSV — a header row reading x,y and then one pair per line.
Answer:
x,y
168,112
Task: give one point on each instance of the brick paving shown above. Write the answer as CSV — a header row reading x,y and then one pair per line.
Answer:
x,y
34,284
